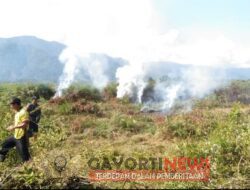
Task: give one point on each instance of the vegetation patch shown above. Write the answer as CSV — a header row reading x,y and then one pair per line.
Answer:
x,y
86,123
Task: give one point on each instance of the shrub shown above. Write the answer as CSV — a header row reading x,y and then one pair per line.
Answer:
x,y
45,91
86,107
127,123
235,114
82,92
25,92
64,108
110,91
193,124
125,99
27,178
57,100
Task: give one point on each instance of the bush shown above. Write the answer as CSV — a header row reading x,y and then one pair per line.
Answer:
x,y
28,178
235,114
236,91
24,92
127,123
42,90
83,92
84,107
45,91
110,91
193,124
64,108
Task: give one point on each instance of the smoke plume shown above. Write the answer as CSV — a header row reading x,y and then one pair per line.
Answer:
x,y
132,31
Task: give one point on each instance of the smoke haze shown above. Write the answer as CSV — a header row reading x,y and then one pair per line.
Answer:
x,y
132,30
128,40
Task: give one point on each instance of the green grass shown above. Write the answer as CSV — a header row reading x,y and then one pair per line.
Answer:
x,y
85,125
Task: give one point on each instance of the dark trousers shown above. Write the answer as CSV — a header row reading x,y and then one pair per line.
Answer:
x,y
20,144
33,128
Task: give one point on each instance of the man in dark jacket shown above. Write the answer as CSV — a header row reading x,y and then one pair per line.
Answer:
x,y
19,139
35,114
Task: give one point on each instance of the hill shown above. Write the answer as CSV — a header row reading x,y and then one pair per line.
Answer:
x,y
27,58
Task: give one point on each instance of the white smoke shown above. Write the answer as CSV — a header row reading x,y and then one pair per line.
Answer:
x,y
173,82
114,28
69,72
93,69
98,32
132,30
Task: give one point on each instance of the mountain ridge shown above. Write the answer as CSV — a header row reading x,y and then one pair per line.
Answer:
x,y
31,59
27,58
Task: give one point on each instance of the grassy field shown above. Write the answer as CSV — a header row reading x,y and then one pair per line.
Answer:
x,y
86,123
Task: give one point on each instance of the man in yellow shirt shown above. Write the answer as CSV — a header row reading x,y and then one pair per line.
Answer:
x,y
19,139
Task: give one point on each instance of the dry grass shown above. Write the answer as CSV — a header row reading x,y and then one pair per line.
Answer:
x,y
123,130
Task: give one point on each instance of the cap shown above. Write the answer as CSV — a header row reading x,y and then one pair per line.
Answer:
x,y
15,101
35,97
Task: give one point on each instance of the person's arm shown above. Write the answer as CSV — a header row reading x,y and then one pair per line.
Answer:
x,y
38,117
22,125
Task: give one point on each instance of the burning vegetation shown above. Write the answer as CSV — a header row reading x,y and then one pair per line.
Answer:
x,y
85,122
